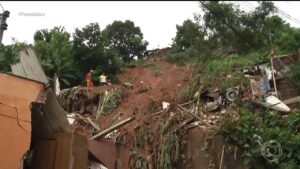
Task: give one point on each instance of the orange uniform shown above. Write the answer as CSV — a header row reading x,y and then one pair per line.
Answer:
x,y
89,80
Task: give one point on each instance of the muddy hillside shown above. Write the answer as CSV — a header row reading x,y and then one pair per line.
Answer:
x,y
161,128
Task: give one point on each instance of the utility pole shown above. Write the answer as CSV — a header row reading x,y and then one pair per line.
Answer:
x,y
272,66
3,24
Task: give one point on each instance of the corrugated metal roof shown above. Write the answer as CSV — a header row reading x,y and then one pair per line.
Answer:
x,y
54,119
29,66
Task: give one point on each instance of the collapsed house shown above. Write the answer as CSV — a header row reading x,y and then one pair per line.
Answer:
x,y
34,123
271,85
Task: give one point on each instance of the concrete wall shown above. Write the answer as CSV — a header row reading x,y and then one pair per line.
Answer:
x,y
16,96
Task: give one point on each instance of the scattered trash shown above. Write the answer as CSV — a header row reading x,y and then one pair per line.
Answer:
x,y
271,150
71,118
165,105
231,94
274,103
210,106
128,85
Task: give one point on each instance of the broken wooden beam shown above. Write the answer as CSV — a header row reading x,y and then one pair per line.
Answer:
x,y
292,100
221,162
187,103
110,129
184,109
93,124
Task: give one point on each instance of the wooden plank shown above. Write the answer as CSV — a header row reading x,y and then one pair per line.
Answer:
x,y
110,129
93,124
292,100
195,116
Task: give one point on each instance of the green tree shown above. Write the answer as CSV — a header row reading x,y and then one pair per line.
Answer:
x,y
188,34
288,39
10,54
90,52
220,33
57,56
126,38
42,35
243,31
88,45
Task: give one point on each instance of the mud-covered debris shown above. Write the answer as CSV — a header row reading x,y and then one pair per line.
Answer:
x,y
74,99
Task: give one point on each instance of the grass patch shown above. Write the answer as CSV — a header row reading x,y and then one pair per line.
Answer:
x,y
150,65
157,73
179,58
225,72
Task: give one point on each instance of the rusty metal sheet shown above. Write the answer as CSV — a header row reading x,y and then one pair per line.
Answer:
x,y
59,151
54,117
104,151
29,66
109,153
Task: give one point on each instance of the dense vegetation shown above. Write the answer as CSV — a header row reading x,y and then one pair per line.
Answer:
x,y
104,51
224,29
224,50
255,127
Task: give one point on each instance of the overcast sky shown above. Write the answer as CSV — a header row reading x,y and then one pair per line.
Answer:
x,y
157,20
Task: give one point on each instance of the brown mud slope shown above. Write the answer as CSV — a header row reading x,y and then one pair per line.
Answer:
x,y
164,87
152,137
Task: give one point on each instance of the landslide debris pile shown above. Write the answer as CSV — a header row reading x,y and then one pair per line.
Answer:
x,y
75,99
86,107
158,136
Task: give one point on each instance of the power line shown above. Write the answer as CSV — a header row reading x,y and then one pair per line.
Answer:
x,y
232,28
244,4
203,4
286,15
251,6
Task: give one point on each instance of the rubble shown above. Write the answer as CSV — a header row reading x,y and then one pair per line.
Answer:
x,y
158,133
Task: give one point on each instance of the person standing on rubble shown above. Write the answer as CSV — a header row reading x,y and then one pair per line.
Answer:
x,y
89,80
103,79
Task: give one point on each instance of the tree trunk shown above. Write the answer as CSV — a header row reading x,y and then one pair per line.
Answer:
x,y
56,84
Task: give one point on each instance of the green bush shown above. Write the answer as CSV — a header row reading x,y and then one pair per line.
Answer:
x,y
157,73
186,94
255,127
295,73
177,58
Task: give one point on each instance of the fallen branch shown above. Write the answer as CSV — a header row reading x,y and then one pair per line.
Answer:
x,y
93,124
184,109
110,129
189,102
157,113
81,117
185,123
221,162
235,148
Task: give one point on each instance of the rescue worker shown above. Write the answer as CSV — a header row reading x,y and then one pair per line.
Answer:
x,y
142,86
103,79
89,80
